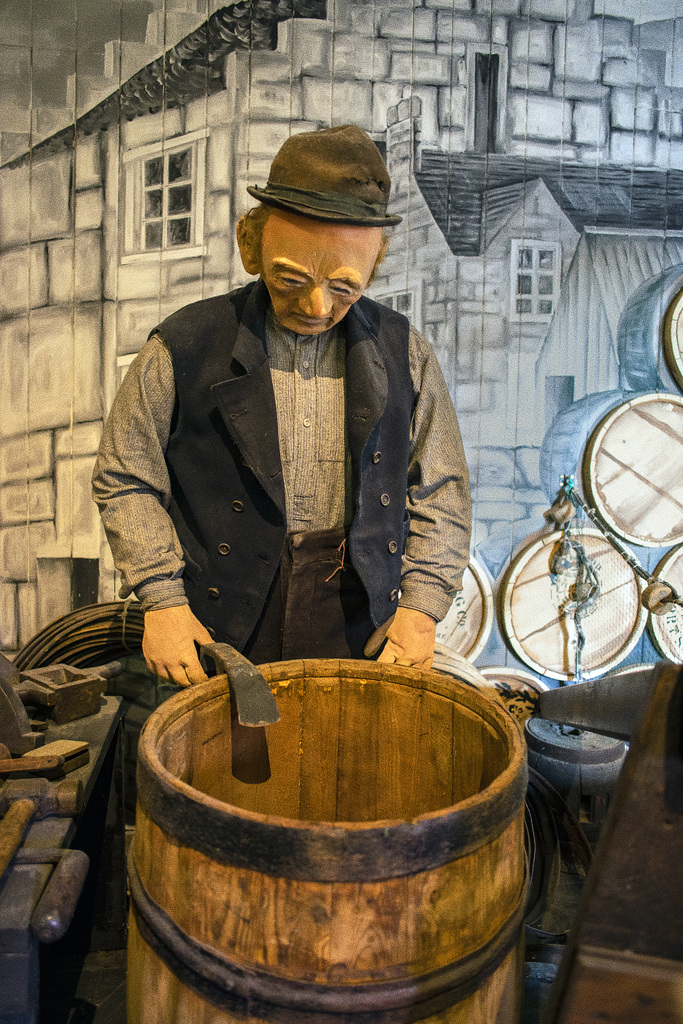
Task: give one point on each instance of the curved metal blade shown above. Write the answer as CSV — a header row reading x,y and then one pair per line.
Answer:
x,y
254,701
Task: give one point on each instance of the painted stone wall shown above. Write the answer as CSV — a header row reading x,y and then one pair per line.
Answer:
x,y
51,417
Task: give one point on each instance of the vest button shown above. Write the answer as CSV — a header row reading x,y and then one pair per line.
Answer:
x,y
393,595
393,547
385,499
223,549
376,457
238,506
213,593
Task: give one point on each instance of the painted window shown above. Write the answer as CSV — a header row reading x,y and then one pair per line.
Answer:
x,y
402,302
486,67
535,273
406,302
165,199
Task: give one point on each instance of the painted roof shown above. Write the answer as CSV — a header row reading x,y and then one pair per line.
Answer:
x,y
465,190
191,69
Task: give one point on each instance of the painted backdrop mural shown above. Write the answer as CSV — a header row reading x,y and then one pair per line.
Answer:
x,y
535,149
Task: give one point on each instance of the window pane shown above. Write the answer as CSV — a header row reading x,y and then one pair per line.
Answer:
x,y
523,305
154,171
179,231
387,301
545,284
524,284
545,259
526,258
180,165
153,203
153,235
180,199
545,306
404,302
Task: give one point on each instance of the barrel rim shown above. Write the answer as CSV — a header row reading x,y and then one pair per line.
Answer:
x,y
329,851
503,672
593,443
655,625
673,313
537,541
464,672
613,750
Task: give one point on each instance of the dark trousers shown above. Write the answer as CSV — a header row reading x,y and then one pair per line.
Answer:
x,y
317,606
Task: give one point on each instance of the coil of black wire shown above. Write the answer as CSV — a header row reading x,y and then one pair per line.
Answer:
x,y
552,836
92,635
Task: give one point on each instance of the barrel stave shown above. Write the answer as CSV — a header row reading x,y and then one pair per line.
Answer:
x,y
426,935
165,999
340,932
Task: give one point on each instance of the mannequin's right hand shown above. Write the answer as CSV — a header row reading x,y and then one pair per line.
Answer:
x,y
168,644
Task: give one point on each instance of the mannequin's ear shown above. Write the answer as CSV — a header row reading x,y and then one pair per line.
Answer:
x,y
380,256
249,242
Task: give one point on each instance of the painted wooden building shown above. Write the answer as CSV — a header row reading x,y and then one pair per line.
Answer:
x,y
533,147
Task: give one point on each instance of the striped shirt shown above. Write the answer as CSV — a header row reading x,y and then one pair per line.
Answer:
x,y
308,374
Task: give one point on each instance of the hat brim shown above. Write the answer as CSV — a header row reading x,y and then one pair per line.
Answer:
x,y
362,220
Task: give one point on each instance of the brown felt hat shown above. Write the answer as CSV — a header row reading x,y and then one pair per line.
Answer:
x,y
336,174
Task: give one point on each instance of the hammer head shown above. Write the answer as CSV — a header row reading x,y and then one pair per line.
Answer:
x,y
63,799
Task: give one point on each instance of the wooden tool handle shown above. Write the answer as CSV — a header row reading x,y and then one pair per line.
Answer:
x,y
12,829
21,766
57,905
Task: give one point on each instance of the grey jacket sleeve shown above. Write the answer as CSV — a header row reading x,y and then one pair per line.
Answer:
x,y
438,495
131,484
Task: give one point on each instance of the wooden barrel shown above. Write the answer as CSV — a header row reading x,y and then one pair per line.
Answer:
x,y
467,626
459,667
533,599
632,469
582,766
667,630
672,337
565,438
513,677
576,762
518,689
376,876
641,335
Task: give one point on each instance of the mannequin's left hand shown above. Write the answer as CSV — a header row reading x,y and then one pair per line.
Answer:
x,y
410,639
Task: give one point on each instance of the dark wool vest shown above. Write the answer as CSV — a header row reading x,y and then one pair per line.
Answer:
x,y
228,501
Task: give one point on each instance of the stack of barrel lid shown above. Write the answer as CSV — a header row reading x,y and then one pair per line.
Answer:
x,y
625,450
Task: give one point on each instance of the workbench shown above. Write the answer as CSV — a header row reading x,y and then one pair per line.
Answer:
x,y
100,918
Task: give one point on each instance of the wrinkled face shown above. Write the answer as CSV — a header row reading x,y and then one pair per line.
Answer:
x,y
315,270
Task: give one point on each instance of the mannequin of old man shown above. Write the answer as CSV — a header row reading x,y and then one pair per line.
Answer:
x,y
314,271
